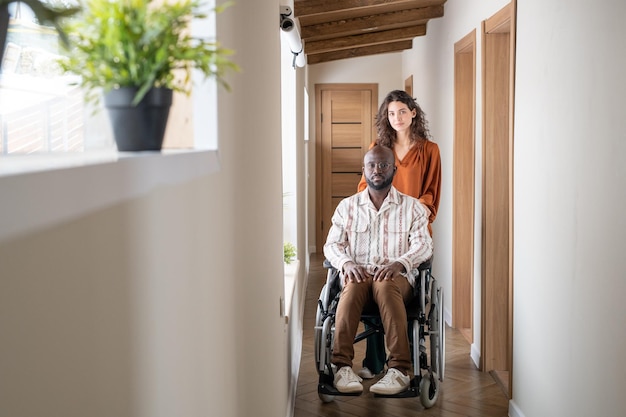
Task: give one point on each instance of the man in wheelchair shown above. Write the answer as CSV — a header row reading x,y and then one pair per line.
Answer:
x,y
377,237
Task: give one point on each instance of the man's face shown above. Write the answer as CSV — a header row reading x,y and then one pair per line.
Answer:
x,y
379,170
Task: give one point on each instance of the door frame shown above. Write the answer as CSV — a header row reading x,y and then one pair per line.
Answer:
x,y
463,183
320,238
498,53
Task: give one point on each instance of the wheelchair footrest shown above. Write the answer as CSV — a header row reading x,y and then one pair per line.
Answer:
x,y
331,390
326,386
413,391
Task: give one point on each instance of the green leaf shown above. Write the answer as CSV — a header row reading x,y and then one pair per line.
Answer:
x,y
136,43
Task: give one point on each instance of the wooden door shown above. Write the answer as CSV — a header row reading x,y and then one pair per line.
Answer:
x,y
344,130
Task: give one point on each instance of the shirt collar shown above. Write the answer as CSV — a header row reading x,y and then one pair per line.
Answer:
x,y
392,198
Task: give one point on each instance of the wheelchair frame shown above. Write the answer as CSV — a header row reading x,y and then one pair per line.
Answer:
x,y
427,376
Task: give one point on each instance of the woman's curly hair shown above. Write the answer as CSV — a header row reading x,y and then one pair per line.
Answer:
x,y
419,124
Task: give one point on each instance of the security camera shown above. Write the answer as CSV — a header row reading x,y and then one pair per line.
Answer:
x,y
286,24
285,11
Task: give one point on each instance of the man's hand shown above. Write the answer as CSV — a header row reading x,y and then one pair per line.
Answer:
x,y
354,273
389,272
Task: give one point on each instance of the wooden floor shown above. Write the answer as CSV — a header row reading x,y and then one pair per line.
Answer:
x,y
465,390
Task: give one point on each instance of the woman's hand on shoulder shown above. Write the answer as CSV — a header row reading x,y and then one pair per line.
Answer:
x,y
426,209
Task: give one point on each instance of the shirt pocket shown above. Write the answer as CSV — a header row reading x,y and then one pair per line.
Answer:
x,y
359,240
358,227
396,236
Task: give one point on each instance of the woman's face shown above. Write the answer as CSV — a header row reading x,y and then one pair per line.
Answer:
x,y
399,116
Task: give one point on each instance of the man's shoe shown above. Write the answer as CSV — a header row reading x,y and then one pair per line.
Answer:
x,y
365,373
346,381
394,382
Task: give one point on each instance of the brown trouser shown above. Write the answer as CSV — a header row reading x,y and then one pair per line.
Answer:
x,y
390,296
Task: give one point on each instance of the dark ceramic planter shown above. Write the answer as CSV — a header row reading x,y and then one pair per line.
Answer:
x,y
141,127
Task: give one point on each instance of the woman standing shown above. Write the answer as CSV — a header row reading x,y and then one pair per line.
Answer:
x,y
401,125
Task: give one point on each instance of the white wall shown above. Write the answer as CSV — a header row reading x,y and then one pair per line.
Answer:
x,y
250,138
115,311
570,175
382,69
166,302
294,204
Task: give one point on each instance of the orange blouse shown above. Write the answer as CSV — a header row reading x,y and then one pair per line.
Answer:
x,y
418,175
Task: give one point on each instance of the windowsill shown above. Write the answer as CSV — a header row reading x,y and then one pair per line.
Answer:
x,y
42,190
291,275
18,164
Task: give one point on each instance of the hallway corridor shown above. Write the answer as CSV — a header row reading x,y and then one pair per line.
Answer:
x,y
465,391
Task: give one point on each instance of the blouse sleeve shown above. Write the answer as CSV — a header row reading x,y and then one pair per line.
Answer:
x,y
432,181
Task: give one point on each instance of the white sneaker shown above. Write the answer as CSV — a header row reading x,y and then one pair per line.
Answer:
x,y
394,382
365,373
347,381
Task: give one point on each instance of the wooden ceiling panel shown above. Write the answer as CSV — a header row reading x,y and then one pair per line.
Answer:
x,y
363,51
341,29
368,39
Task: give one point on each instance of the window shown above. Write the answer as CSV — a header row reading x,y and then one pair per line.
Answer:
x,y
41,111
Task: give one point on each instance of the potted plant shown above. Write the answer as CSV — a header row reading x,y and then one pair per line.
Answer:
x,y
289,252
137,53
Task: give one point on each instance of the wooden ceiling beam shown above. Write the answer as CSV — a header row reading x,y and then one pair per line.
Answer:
x,y
357,52
368,39
364,7
370,23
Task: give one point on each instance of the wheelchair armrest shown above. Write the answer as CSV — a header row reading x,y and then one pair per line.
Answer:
x,y
427,264
423,267
332,277
331,290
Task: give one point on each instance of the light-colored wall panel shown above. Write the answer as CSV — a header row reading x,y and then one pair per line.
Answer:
x,y
143,307
569,222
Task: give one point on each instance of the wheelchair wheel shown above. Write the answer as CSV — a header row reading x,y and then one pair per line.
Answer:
x,y
318,330
437,336
429,390
324,345
318,347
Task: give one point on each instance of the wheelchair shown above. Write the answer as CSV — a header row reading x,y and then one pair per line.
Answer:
x,y
424,317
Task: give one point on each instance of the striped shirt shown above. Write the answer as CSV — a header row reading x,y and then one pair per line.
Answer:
x,y
372,238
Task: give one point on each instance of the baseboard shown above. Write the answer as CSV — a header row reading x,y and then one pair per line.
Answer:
x,y
475,355
295,329
291,398
297,352
514,410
